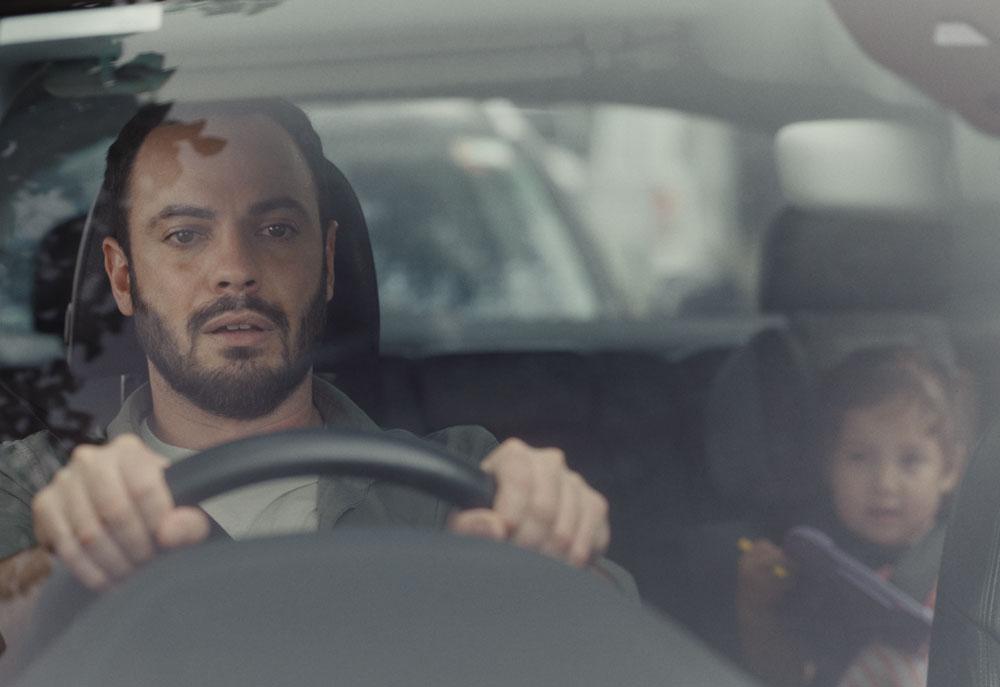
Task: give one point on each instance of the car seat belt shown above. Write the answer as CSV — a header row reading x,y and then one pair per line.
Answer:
x,y
916,571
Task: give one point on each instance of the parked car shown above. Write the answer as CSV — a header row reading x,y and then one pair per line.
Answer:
x,y
469,228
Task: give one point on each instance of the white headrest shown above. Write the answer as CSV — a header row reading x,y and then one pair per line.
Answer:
x,y
862,165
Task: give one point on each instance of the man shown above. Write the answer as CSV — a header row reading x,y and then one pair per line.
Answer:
x,y
222,251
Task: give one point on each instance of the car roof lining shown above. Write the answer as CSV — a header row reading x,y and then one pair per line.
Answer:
x,y
792,62
947,48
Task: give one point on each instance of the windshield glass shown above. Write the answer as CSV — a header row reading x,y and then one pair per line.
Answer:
x,y
745,284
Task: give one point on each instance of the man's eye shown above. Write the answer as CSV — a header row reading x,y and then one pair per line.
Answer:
x,y
278,231
183,236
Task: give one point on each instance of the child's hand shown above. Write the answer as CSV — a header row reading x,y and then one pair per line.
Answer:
x,y
764,575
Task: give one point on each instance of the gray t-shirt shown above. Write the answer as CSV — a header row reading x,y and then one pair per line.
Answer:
x,y
278,506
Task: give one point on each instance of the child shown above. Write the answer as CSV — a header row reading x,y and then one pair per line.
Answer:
x,y
892,433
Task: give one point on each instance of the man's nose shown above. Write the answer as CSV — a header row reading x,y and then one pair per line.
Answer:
x,y
234,266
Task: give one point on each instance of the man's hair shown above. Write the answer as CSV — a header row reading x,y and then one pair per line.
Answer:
x,y
111,209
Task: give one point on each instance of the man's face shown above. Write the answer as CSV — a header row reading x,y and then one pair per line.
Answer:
x,y
229,276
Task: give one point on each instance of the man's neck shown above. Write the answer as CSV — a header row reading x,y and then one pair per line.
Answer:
x,y
179,422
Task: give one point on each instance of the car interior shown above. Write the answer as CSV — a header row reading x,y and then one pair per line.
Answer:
x,y
696,429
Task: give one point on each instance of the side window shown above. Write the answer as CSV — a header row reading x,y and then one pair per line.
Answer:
x,y
41,225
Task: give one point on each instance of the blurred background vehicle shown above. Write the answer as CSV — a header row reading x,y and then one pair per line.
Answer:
x,y
469,228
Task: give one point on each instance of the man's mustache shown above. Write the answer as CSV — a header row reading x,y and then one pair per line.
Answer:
x,y
234,303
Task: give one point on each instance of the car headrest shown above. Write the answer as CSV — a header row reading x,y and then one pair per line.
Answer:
x,y
100,341
842,282
759,437
756,420
851,260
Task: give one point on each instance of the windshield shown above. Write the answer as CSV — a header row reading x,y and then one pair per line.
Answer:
x,y
743,279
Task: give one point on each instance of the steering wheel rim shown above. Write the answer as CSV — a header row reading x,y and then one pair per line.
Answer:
x,y
399,459
403,460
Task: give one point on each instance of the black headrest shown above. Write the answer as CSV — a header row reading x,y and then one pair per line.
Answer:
x,y
837,260
100,341
757,419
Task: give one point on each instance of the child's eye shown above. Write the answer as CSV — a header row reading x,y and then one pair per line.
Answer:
x,y
857,456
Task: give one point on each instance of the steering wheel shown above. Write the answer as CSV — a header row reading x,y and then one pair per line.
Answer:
x,y
329,453
389,606
323,452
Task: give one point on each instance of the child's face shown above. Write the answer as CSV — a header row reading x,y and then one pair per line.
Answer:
x,y
888,473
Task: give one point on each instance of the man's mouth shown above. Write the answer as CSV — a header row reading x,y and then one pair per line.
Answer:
x,y
237,328
239,322
245,329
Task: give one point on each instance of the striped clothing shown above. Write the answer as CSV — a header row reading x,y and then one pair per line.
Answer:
x,y
879,665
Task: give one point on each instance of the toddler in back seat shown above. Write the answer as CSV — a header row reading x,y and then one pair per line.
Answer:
x,y
891,431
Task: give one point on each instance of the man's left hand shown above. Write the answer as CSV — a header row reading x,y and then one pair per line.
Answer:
x,y
541,505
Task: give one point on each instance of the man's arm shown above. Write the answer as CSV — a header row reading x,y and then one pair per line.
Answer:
x,y
540,505
109,510
21,577
26,466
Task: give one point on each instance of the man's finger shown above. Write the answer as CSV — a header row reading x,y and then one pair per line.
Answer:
x,y
592,534
89,531
53,532
515,482
148,489
116,509
478,522
183,526
560,539
538,519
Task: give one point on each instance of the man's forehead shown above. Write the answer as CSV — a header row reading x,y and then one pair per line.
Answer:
x,y
209,135
220,149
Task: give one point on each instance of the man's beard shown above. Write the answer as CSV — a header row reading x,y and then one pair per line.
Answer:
x,y
247,389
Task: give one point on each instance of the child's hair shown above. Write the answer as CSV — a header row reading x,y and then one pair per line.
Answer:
x,y
870,376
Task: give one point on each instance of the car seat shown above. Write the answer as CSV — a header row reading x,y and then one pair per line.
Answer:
x,y
965,639
840,282
837,281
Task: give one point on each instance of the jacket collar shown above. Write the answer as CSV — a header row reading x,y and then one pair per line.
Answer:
x,y
335,496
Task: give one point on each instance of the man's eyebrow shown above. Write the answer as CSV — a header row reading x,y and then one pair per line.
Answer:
x,y
171,211
280,203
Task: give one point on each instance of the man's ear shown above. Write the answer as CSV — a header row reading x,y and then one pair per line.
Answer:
x,y
116,266
331,237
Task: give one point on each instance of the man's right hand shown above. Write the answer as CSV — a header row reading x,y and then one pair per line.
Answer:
x,y
109,510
